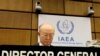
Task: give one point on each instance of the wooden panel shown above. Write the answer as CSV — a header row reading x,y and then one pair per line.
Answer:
x,y
76,8
52,6
14,37
92,24
34,21
20,5
87,0
34,4
81,0
96,0
97,24
15,19
3,4
93,36
98,36
34,39
96,8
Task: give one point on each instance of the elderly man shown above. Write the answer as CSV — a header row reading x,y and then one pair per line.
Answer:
x,y
46,33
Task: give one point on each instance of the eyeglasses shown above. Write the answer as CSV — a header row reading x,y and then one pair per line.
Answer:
x,y
47,34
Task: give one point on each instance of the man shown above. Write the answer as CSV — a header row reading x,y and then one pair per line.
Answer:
x,y
46,33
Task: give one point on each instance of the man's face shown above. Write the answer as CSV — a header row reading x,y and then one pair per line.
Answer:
x,y
46,36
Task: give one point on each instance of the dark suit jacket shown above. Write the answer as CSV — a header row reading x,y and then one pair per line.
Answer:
x,y
39,45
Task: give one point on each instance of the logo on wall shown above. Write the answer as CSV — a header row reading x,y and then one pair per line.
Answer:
x,y
65,26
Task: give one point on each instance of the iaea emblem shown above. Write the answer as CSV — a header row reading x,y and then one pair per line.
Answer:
x,y
65,26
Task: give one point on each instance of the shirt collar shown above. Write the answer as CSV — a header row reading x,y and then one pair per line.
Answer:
x,y
40,44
